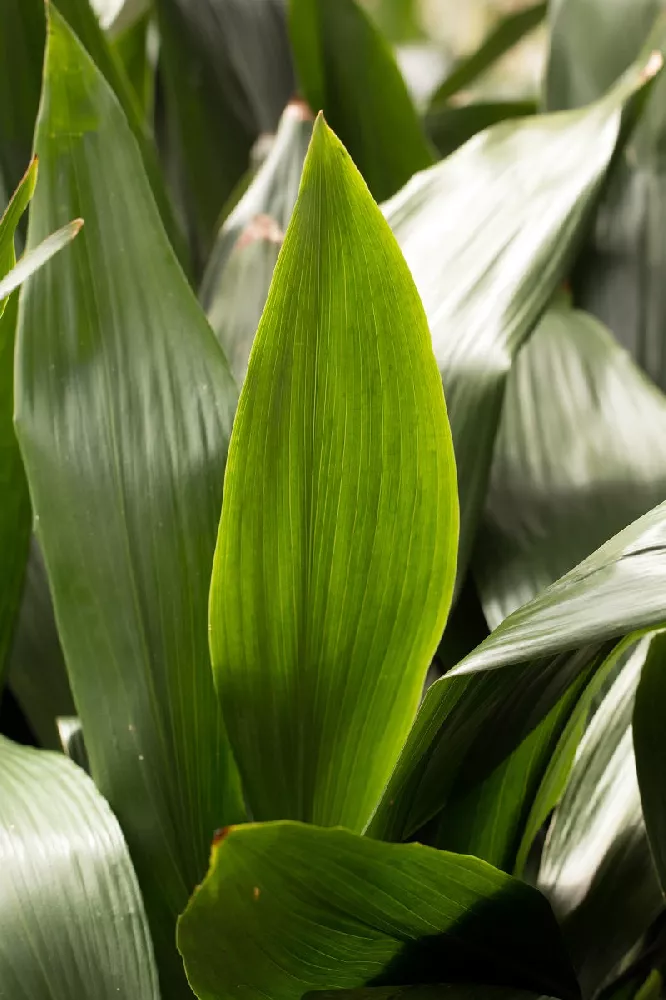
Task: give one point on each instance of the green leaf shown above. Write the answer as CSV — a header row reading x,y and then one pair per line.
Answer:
x,y
123,409
228,75
456,991
488,234
132,49
451,127
340,498
650,750
287,908
72,741
508,31
72,922
555,493
347,69
596,866
239,272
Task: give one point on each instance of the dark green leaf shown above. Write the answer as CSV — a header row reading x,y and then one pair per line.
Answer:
x,y
507,32
72,922
132,49
650,748
346,68
124,408
287,908
555,493
596,866
451,127
240,269
457,991
336,552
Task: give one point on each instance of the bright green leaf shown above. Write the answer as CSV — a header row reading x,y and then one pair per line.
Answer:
x,y
124,408
72,922
287,908
346,68
650,748
336,552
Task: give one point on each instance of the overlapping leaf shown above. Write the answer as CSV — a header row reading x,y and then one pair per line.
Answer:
x,y
287,908
336,552
648,730
72,922
124,406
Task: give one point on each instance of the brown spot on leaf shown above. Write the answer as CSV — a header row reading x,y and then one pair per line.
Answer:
x,y
652,66
220,835
300,109
263,227
256,892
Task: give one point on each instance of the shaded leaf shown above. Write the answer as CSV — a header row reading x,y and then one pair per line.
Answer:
x,y
457,991
596,867
451,127
287,908
648,731
124,408
340,499
239,272
72,921
132,48
341,55
555,493
508,31
72,741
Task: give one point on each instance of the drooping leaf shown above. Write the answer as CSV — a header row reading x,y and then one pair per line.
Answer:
x,y
648,729
239,272
124,405
556,494
72,922
346,68
228,72
451,127
487,235
508,31
336,551
287,908
596,867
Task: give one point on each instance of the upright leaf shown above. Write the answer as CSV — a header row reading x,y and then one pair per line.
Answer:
x,y
487,235
580,453
346,68
72,922
124,408
596,867
336,552
287,908
650,749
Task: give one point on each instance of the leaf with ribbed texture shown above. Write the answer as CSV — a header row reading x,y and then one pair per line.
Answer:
x,y
451,127
228,71
556,494
72,922
487,235
336,551
508,31
650,748
124,405
239,272
287,908
596,867
347,69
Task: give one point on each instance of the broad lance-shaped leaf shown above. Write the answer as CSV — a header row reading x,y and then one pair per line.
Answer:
x,y
239,272
347,69
72,922
288,908
124,405
650,748
336,551
488,234
580,453
596,867
528,662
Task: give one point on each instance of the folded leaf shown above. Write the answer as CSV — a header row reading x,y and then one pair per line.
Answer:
x,y
240,269
336,551
596,866
487,235
124,408
347,69
287,908
72,922
580,453
648,730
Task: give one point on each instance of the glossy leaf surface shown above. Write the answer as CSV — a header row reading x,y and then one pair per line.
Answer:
x,y
336,551
124,409
557,493
340,55
287,908
72,922
648,729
